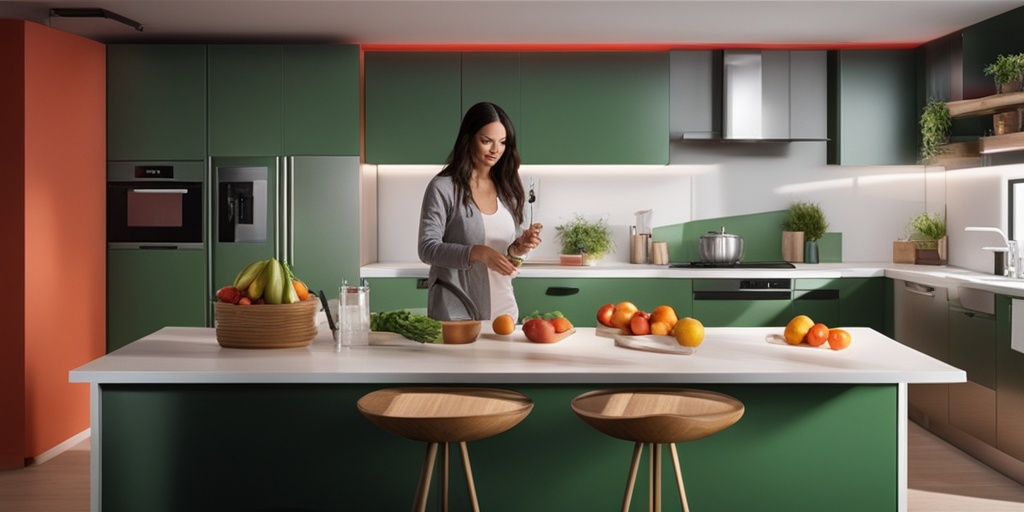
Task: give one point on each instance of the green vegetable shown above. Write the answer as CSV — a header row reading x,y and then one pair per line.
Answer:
x,y
419,328
551,315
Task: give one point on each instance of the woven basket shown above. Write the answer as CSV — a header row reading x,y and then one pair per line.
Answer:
x,y
266,325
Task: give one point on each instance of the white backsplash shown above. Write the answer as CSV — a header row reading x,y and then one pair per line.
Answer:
x,y
869,205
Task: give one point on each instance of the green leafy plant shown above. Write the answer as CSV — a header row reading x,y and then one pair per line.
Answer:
x,y
1006,68
936,123
579,236
807,217
927,227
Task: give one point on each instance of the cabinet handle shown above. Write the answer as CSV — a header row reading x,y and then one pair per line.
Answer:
x,y
919,289
561,291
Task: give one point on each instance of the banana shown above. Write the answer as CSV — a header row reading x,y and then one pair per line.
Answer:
x,y
291,295
258,286
249,274
276,279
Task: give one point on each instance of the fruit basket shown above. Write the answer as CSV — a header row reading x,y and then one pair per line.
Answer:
x,y
266,325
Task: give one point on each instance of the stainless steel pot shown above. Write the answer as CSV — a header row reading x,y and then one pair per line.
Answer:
x,y
720,248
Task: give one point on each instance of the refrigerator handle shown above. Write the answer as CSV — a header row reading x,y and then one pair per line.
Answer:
x,y
290,202
278,222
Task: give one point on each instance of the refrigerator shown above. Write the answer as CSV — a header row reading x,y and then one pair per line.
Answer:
x,y
300,209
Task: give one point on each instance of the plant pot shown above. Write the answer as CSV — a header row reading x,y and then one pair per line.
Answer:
x,y
1008,87
811,251
930,252
904,252
793,246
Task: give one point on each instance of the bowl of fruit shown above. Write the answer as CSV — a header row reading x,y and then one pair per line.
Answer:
x,y
266,307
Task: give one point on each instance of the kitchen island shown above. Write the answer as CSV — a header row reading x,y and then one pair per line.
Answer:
x,y
180,423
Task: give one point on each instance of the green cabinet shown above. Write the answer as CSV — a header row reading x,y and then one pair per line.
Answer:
x,y
267,100
580,298
156,102
873,111
568,108
413,106
390,293
844,302
151,289
595,108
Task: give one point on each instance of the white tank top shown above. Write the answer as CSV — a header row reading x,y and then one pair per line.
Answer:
x,y
499,232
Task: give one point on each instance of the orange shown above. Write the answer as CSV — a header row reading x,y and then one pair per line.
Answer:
x,y
628,306
797,329
838,339
561,324
503,324
689,332
621,318
817,336
660,328
664,314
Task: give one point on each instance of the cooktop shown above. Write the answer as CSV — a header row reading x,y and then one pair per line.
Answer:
x,y
741,264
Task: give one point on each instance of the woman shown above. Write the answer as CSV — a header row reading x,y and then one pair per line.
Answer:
x,y
469,222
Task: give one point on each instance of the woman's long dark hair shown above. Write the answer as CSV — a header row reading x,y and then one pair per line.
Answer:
x,y
504,174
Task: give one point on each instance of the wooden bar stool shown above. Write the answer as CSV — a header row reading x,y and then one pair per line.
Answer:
x,y
442,416
656,417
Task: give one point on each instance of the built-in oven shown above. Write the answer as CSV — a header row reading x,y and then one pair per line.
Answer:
x,y
155,205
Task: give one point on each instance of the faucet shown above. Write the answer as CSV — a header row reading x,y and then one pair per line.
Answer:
x,y
1012,250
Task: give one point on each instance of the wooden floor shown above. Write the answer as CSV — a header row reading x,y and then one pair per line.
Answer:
x,y
941,479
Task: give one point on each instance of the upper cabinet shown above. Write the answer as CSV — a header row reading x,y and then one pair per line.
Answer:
x,y
267,100
413,106
568,108
595,108
156,102
873,118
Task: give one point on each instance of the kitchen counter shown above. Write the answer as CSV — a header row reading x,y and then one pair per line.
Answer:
x,y
938,275
278,429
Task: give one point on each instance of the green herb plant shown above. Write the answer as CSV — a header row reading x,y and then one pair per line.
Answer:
x,y
415,327
807,217
927,227
936,123
1006,68
582,236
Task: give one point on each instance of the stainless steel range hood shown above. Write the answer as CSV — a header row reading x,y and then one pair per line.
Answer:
x,y
749,95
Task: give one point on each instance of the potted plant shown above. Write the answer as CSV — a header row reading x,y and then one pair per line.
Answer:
x,y
590,239
1007,71
808,218
928,232
935,125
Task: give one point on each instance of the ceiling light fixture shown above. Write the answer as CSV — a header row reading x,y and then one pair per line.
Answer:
x,y
94,13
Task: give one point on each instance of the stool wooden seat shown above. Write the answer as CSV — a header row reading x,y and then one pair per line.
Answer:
x,y
656,417
443,415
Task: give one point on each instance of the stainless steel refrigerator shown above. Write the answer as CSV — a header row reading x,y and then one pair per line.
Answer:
x,y
299,209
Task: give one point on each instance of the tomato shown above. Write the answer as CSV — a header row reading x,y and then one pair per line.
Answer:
x,y
604,315
639,325
229,294
817,336
539,330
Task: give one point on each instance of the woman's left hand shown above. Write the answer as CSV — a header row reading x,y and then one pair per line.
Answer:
x,y
528,241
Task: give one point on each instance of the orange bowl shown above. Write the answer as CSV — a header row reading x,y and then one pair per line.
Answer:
x,y
458,332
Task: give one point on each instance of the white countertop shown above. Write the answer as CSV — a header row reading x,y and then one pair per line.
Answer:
x,y
937,275
727,355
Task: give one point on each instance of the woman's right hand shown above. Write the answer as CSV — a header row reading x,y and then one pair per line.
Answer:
x,y
494,260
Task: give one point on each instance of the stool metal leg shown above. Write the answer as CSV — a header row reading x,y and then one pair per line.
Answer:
x,y
638,449
679,478
423,488
469,477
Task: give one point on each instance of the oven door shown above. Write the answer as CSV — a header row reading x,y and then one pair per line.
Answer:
x,y
162,214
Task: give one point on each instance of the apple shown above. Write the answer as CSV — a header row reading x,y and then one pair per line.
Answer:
x,y
539,330
639,325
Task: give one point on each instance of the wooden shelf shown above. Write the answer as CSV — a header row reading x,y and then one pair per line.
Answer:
x,y
986,106
1002,143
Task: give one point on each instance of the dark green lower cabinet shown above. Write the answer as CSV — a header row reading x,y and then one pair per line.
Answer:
x,y
390,293
306,447
972,347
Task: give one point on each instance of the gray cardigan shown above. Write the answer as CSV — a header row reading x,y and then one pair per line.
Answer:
x,y
448,231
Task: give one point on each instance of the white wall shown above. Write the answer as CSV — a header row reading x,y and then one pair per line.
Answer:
x,y
977,197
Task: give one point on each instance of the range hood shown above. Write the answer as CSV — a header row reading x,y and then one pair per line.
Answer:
x,y
749,95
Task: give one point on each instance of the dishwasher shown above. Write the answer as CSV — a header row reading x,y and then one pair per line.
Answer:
x,y
742,302
921,314
972,346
